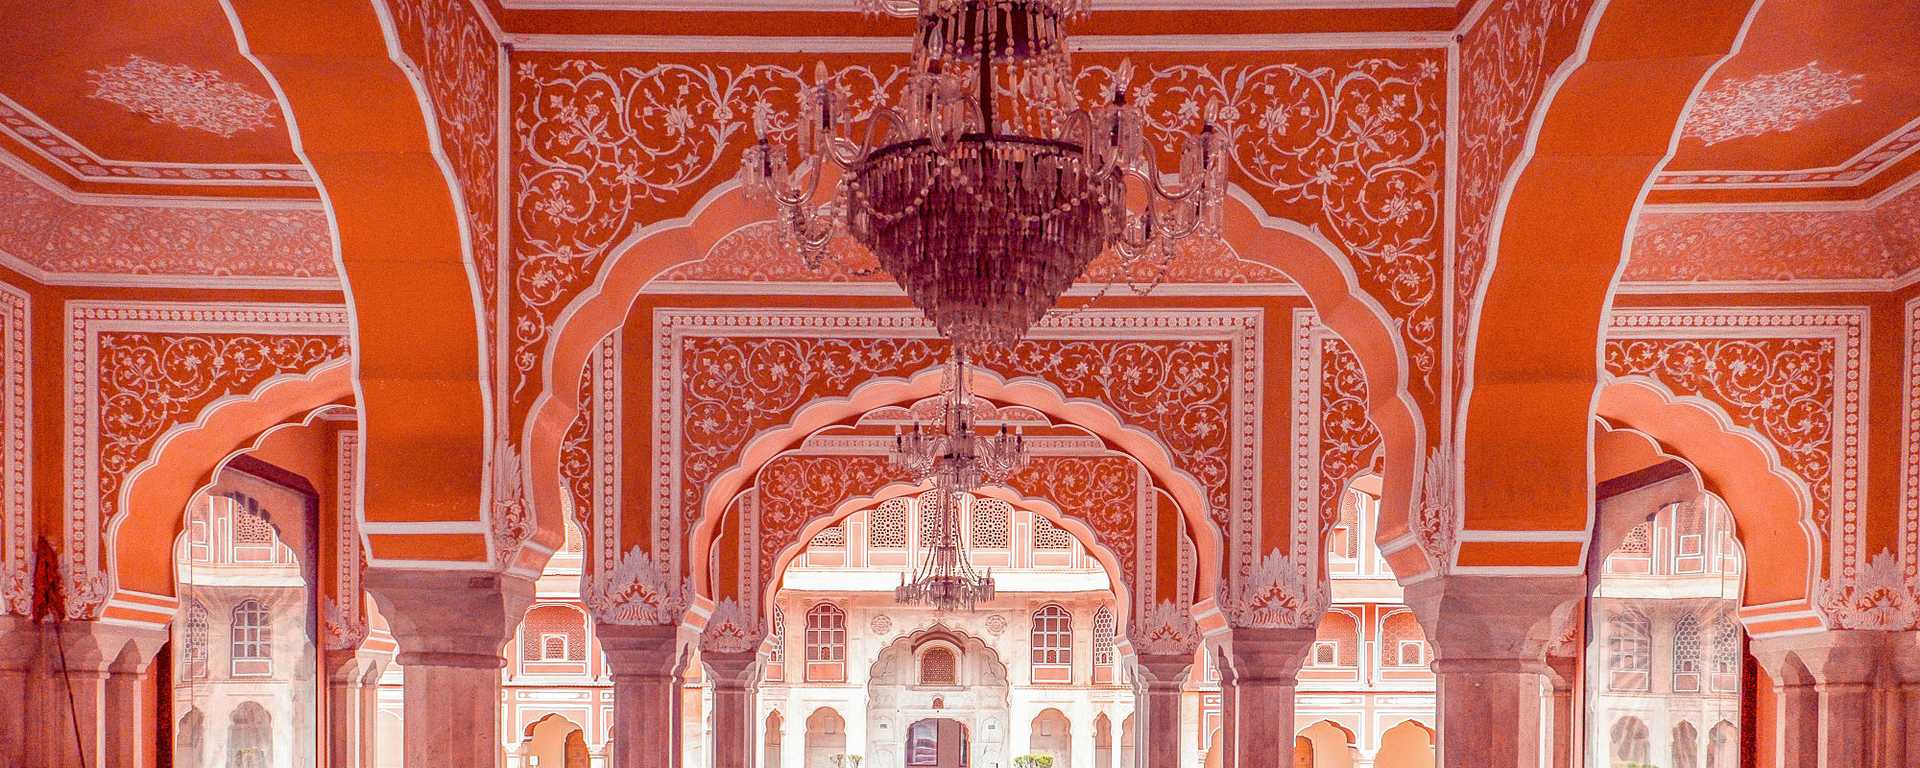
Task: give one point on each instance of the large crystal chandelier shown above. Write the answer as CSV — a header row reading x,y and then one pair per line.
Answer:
x,y
957,460
986,189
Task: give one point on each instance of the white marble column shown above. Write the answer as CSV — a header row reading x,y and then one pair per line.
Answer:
x,y
1490,635
1824,683
1262,671
646,663
1158,682
452,627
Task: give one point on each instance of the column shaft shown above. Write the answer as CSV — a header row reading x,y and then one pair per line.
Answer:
x,y
736,678
1262,673
645,661
1490,713
1158,681
451,628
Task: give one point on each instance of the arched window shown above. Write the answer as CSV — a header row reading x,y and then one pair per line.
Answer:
x,y
1723,746
1629,651
1337,642
992,523
938,666
1345,538
252,639
193,644
1052,642
1103,636
1686,655
1046,535
1402,642
1629,739
1726,656
826,643
831,537
553,633
1686,746
776,669
887,525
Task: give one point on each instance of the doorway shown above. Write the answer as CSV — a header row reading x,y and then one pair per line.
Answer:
x,y
937,742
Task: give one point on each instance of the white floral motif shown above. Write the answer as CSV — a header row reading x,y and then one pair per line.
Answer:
x,y
1771,103
636,591
1277,594
179,95
731,629
1880,597
1166,630
510,521
344,631
1437,518
16,579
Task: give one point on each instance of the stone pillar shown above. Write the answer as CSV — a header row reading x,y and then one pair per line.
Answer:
x,y
1906,656
19,644
129,717
352,702
1824,683
736,680
451,627
1490,635
369,696
1157,684
1562,673
1261,674
76,693
646,663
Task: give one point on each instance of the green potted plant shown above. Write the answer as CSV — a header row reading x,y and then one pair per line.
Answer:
x,y
1033,761
847,761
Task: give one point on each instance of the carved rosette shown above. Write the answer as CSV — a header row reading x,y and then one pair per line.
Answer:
x,y
1166,630
1277,594
342,629
732,629
1881,597
636,591
1436,518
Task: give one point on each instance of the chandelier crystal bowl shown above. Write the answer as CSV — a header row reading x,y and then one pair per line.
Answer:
x,y
986,190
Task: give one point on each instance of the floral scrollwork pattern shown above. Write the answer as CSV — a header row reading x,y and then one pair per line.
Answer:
x,y
1167,629
636,591
1277,594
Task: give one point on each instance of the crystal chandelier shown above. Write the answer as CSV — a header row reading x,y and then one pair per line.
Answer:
x,y
986,190
957,460
946,580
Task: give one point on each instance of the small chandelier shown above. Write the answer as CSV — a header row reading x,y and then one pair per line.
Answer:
x,y
986,190
957,461
957,458
946,580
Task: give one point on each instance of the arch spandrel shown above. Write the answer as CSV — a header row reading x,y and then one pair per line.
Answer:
x,y
1559,239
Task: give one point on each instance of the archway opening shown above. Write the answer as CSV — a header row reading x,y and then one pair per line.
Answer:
x,y
1407,745
1332,745
1664,647
826,739
554,742
938,742
1008,672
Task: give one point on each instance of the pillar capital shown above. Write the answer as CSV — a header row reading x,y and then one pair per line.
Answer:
x,y
1162,670
733,669
642,651
1268,655
450,618
1493,622
1832,657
